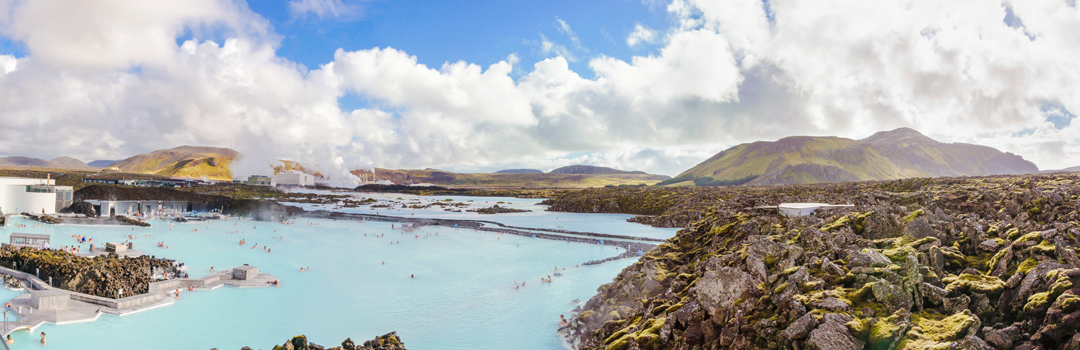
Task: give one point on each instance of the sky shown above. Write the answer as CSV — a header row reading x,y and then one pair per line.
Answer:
x,y
474,86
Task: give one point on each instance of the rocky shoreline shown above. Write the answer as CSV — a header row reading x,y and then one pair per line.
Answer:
x,y
389,341
949,263
496,209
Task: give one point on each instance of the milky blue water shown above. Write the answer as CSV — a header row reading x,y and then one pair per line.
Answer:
x,y
462,296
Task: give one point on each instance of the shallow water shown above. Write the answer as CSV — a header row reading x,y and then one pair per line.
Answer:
x,y
462,296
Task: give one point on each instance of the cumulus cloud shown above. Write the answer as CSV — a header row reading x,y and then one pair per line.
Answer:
x,y
640,35
117,83
324,9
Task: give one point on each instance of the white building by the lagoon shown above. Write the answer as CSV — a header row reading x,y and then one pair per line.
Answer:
x,y
19,195
295,179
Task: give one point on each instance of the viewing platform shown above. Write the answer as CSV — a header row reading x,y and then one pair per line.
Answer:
x,y
44,303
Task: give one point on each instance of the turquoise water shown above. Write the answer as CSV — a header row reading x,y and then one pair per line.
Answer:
x,y
463,296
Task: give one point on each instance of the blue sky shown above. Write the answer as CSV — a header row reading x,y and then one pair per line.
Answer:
x,y
480,32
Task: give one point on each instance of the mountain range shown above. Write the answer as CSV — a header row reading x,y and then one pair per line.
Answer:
x,y
58,163
896,154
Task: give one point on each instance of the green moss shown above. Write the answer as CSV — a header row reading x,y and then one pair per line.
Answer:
x,y
1044,247
780,289
843,221
1069,302
859,327
1013,233
1027,265
884,331
977,283
898,254
997,257
948,329
931,331
914,215
1037,300
587,314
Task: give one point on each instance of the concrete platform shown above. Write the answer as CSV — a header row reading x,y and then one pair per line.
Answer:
x,y
101,251
86,308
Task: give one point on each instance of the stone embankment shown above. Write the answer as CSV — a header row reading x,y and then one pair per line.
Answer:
x,y
630,243
389,341
130,221
951,263
43,218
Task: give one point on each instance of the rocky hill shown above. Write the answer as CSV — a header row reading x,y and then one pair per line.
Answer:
x,y
519,171
183,161
101,163
896,154
58,163
947,263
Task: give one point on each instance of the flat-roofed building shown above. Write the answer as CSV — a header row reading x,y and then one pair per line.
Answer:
x,y
294,179
19,195
33,240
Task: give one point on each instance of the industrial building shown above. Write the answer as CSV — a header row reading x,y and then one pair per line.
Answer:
x,y
295,179
19,195
261,180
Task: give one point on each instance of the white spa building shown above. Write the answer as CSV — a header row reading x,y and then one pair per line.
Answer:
x,y
19,195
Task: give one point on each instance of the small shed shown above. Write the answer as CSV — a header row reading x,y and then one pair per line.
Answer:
x,y
49,299
802,209
245,272
34,240
116,247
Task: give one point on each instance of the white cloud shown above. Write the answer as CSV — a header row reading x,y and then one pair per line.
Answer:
x,y
724,74
8,63
564,28
324,9
550,48
641,34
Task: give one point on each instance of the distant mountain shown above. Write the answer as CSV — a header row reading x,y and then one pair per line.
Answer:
x,y
183,161
529,180
520,171
1066,170
589,169
900,153
102,163
58,163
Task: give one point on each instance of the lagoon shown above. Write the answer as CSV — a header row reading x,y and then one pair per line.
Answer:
x,y
463,296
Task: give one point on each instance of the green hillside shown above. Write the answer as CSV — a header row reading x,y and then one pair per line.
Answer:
x,y
900,153
183,161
